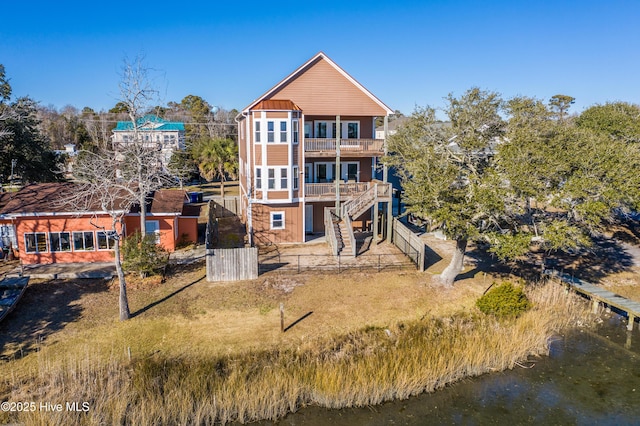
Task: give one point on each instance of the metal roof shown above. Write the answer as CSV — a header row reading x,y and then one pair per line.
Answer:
x,y
150,123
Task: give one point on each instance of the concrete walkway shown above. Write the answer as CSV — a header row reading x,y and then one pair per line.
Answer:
x,y
66,270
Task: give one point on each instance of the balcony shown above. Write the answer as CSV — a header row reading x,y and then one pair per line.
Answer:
x,y
321,147
327,191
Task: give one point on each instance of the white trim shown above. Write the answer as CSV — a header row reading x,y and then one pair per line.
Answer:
x,y
334,65
330,171
59,242
36,251
155,232
41,214
277,175
155,214
295,177
109,247
271,214
278,201
83,250
344,172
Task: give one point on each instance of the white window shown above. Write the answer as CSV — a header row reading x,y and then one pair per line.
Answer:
x,y
83,241
153,230
307,130
35,242
258,178
350,171
352,130
257,131
325,172
321,129
283,131
283,178
60,241
271,178
277,220
295,131
106,240
295,177
271,131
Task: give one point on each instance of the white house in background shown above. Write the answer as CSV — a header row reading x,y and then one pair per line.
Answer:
x,y
155,132
392,127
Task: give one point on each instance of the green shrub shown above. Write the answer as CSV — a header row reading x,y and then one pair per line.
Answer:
x,y
504,301
143,255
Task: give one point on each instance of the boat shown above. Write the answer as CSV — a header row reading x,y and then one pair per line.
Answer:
x,y
11,290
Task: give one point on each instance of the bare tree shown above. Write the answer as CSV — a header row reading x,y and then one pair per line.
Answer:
x,y
98,189
139,160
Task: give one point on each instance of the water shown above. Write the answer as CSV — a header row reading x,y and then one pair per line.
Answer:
x,y
591,377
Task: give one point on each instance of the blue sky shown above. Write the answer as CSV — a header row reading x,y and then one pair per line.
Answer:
x,y
408,53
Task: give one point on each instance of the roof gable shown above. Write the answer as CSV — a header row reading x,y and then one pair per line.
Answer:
x,y
321,87
168,201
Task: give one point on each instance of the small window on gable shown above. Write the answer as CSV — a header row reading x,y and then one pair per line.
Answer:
x,y
277,220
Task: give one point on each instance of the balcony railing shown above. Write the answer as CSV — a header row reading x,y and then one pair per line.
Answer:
x,y
327,191
347,146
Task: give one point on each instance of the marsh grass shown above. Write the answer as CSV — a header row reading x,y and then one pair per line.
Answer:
x,y
363,367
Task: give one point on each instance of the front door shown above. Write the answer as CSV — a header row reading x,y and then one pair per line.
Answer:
x,y
308,218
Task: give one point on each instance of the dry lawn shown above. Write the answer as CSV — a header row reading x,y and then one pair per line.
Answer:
x,y
220,318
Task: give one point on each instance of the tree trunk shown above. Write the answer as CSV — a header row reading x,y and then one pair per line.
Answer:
x,y
222,189
455,266
143,215
124,303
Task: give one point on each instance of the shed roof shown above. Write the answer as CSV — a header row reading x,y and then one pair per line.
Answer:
x,y
277,105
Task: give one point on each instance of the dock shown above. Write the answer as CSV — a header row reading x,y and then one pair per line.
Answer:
x,y
598,296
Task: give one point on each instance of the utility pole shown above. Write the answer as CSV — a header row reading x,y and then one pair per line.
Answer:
x,y
14,162
338,174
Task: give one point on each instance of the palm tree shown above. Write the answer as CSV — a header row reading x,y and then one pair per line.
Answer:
x,y
218,158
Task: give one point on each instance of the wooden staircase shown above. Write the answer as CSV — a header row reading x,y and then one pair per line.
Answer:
x,y
345,242
339,228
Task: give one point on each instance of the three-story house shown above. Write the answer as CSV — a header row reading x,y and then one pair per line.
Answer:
x,y
309,159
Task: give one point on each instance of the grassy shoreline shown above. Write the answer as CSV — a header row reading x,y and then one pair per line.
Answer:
x,y
364,366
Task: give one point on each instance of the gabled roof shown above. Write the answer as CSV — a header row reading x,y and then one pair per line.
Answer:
x,y
148,123
165,201
319,87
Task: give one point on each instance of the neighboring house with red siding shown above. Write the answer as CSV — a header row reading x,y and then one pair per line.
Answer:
x,y
48,231
309,157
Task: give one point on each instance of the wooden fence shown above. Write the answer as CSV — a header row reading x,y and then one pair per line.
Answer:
x,y
232,264
409,243
225,207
